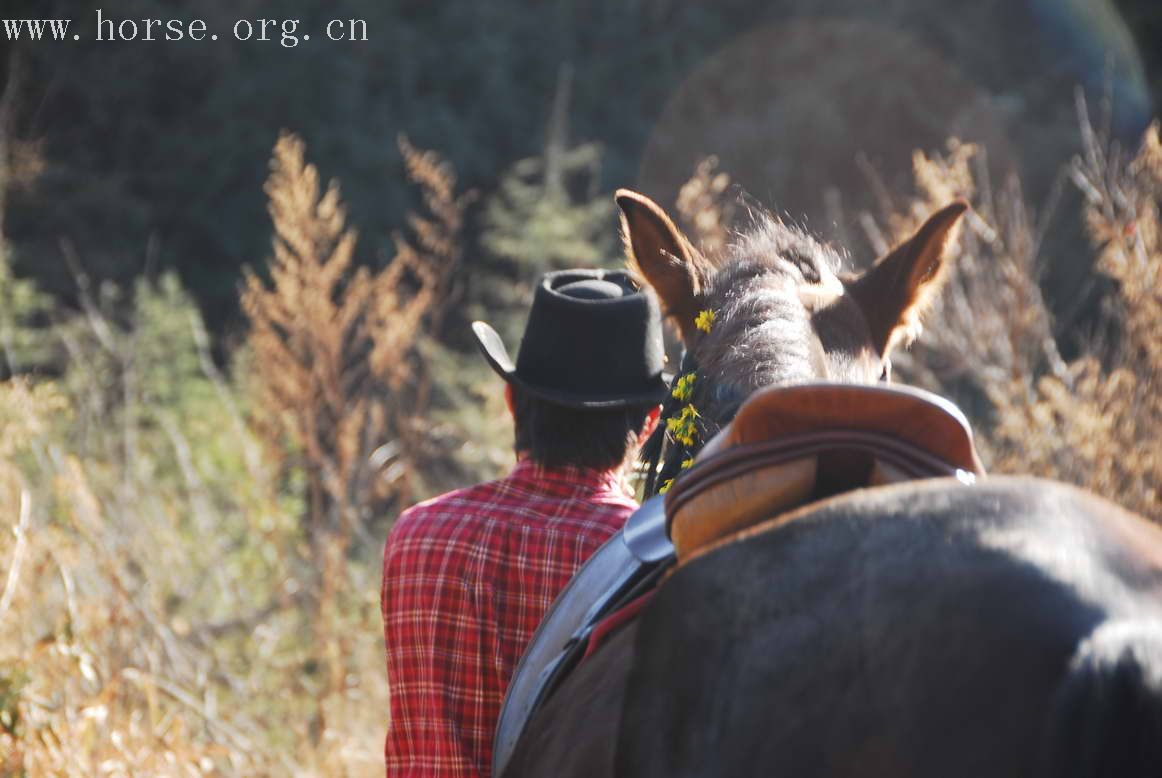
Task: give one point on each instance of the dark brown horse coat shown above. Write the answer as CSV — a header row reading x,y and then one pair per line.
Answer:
x,y
1011,628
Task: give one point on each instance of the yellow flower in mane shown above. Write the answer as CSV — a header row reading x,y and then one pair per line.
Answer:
x,y
665,487
684,388
683,427
705,319
687,463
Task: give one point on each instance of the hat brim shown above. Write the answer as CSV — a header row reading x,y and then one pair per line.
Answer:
x,y
492,347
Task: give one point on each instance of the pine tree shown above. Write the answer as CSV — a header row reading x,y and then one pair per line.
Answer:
x,y
547,214
21,345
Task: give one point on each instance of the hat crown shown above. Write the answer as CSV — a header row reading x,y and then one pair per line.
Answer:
x,y
593,339
592,289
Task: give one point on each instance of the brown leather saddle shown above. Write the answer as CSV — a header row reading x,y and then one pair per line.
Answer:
x,y
790,446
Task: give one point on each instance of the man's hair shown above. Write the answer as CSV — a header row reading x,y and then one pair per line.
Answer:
x,y
555,436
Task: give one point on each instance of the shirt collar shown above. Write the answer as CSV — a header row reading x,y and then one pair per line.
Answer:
x,y
577,480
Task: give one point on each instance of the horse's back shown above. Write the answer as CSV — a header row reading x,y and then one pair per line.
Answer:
x,y
921,629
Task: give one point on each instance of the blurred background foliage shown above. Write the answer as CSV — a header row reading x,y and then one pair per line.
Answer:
x,y
235,282
161,144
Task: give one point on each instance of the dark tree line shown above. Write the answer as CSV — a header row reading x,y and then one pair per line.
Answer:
x,y
152,155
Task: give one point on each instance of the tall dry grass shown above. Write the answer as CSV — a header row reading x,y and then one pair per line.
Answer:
x,y
186,583
146,577
991,341
331,347
705,207
188,580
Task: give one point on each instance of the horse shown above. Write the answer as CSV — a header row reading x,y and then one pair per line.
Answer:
x,y
1004,627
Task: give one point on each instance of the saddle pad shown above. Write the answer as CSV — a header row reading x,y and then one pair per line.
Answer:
x,y
789,445
913,415
615,621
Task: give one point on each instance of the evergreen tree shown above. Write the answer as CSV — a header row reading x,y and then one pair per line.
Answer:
x,y
547,213
21,346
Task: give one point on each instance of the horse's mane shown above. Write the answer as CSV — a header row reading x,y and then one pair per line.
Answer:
x,y
762,333
761,336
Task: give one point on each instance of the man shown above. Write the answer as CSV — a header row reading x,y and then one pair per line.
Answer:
x,y
468,576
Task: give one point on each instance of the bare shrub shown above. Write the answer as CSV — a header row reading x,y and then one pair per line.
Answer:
x,y
172,599
332,349
332,344
704,208
427,264
990,340
311,338
148,565
989,334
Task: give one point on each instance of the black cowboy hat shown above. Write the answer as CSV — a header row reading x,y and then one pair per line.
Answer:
x,y
592,340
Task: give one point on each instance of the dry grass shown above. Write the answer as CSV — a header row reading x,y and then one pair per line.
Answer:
x,y
332,343
704,208
990,341
187,583
320,364
322,370
129,600
428,264
1099,424
181,592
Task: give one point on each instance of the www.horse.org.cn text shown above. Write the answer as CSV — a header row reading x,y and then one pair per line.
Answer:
x,y
287,33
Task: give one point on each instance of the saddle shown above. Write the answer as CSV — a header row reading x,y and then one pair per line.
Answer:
x,y
787,447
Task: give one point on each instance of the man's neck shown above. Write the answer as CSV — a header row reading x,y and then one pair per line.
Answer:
x,y
616,475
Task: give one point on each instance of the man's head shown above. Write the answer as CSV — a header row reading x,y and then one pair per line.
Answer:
x,y
588,372
556,435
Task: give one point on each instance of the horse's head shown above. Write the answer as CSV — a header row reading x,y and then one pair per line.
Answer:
x,y
782,311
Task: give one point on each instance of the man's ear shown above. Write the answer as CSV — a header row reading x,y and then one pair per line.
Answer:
x,y
659,254
895,291
650,424
508,400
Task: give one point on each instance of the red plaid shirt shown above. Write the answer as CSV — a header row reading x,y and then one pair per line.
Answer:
x,y
467,578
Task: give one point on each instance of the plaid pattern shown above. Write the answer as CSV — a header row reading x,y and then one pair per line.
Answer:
x,y
467,578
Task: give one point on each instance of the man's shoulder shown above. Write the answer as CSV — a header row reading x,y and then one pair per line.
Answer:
x,y
453,502
510,499
458,505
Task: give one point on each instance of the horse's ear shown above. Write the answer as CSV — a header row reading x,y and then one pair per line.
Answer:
x,y
895,291
658,253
